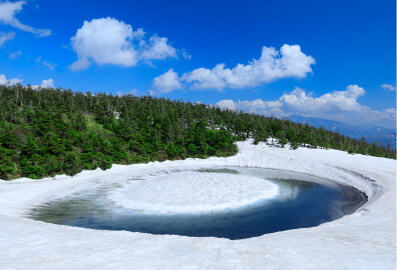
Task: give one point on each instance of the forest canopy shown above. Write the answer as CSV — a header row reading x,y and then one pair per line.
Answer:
x,y
45,132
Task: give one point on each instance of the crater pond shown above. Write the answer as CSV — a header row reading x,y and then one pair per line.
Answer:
x,y
303,201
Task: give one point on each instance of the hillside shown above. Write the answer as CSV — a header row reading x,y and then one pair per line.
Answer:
x,y
48,131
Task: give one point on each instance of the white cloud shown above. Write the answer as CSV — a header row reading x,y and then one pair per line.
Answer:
x,y
80,64
167,82
134,92
227,104
157,49
272,65
45,63
337,105
4,80
299,101
8,11
205,78
44,84
186,55
109,41
49,65
15,55
6,36
47,84
388,87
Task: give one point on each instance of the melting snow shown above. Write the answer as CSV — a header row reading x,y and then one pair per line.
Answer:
x,y
363,240
193,192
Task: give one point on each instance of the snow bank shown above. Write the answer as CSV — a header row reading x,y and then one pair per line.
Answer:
x,y
192,192
363,240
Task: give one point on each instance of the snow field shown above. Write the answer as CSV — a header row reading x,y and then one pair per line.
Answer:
x,y
363,240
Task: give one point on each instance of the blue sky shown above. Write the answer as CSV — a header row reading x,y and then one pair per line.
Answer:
x,y
329,59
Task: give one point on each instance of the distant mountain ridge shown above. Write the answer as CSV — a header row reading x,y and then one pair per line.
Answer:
x,y
369,132
385,139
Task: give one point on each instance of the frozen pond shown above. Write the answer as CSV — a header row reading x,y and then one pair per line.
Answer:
x,y
299,201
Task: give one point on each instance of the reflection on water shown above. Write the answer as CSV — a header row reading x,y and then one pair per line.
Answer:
x,y
304,201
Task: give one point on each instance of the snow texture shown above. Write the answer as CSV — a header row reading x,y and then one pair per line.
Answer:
x,y
363,240
187,192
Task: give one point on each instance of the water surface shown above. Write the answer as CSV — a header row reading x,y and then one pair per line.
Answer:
x,y
304,201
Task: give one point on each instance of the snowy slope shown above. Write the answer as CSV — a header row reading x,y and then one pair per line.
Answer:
x,y
363,240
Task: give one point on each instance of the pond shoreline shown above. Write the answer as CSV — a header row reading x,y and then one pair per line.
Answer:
x,y
233,203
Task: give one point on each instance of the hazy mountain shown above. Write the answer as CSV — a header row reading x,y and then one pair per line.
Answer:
x,y
384,139
369,132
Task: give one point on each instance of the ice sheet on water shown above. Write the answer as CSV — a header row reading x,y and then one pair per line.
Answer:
x,y
193,192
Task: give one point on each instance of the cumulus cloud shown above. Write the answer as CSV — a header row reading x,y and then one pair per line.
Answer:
x,y
109,41
388,87
227,104
15,55
6,36
337,105
273,65
44,84
299,101
157,48
8,10
167,82
47,84
4,80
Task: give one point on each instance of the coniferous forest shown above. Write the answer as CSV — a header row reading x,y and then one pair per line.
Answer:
x,y
48,131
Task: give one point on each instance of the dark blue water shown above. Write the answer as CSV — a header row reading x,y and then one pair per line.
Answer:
x,y
304,201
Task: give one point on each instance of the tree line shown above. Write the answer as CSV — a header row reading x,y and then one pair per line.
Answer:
x,y
49,131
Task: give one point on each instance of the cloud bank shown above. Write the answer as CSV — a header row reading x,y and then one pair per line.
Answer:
x,y
4,80
337,105
109,41
289,62
8,11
